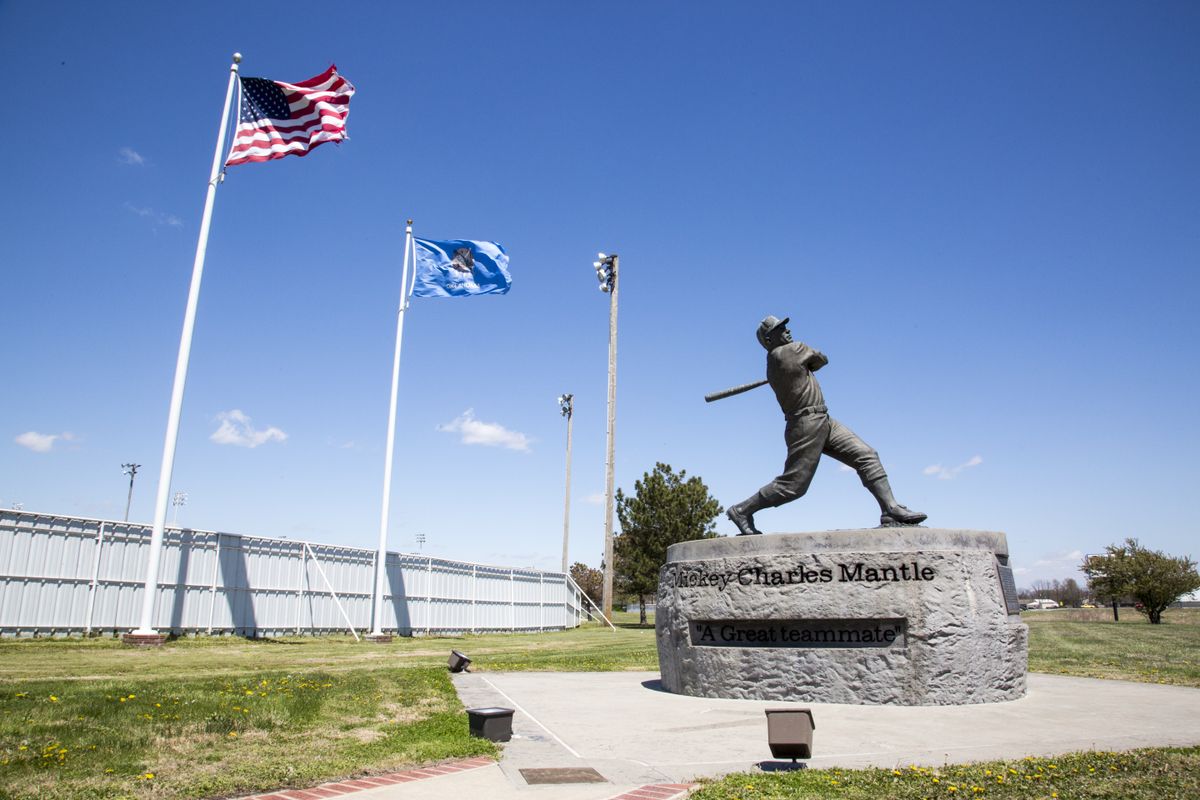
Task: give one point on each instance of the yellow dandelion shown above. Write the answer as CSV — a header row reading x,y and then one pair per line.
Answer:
x,y
108,771
122,699
53,699
233,734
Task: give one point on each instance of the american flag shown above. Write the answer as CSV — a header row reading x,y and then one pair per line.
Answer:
x,y
281,119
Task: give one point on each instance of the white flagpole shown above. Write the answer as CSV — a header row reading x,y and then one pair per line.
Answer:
x,y
146,629
377,633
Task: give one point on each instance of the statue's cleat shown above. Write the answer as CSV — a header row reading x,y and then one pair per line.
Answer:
x,y
743,521
899,515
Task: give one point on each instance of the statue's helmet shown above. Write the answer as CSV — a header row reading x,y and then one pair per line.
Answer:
x,y
766,327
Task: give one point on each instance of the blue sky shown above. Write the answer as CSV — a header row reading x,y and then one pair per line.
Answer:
x,y
987,216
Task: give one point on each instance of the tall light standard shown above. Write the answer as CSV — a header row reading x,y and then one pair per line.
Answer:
x,y
180,499
566,404
131,471
606,272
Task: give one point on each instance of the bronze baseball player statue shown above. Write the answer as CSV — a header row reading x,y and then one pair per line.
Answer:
x,y
810,432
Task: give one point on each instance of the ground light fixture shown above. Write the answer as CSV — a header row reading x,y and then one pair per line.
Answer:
x,y
790,732
458,662
492,723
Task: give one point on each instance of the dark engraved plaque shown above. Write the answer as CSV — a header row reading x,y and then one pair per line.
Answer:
x,y
1008,585
800,633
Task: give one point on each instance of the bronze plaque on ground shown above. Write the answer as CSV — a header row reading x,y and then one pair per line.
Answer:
x,y
562,775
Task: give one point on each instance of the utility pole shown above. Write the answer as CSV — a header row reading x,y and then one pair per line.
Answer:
x,y
607,273
131,471
566,404
420,537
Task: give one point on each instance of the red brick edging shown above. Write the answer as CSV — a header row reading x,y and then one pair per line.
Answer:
x,y
338,788
654,791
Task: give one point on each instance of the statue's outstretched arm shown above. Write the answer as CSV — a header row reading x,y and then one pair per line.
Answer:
x,y
813,359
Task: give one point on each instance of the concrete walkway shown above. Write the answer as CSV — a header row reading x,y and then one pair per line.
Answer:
x,y
648,744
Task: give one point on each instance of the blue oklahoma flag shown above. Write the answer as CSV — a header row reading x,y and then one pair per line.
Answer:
x,y
460,267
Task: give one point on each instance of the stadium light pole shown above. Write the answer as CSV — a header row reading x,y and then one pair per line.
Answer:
x,y
607,274
180,499
566,405
131,471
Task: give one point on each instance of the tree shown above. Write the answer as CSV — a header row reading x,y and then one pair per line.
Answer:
x,y
1152,578
1071,593
665,508
589,579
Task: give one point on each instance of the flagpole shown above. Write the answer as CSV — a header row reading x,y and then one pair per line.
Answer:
x,y
377,634
145,634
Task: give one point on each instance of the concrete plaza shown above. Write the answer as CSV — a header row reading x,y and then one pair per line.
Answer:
x,y
644,742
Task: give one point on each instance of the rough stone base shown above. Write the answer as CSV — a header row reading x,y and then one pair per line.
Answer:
x,y
143,639
378,638
904,616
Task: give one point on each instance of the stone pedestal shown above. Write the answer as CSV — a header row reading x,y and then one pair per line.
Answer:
x,y
903,616
378,638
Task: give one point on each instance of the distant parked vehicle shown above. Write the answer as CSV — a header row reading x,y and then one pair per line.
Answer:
x,y
1041,604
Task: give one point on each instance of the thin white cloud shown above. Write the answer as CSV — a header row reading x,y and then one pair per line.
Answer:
x,y
236,430
41,442
127,155
596,499
156,217
1071,559
490,434
949,473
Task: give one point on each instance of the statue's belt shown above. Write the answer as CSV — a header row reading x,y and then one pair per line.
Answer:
x,y
804,412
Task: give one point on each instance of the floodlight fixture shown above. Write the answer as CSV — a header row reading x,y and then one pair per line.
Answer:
x,y
458,662
790,732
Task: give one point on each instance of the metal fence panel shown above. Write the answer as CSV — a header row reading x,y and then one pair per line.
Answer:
x,y
70,575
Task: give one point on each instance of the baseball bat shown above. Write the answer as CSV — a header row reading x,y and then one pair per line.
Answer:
x,y
730,392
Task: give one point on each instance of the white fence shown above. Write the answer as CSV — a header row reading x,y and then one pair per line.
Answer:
x,y
70,575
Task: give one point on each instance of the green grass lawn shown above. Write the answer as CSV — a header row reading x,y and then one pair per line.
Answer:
x,y
1088,643
209,717
1159,774
205,717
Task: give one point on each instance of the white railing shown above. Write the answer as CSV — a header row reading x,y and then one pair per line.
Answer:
x,y
64,575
